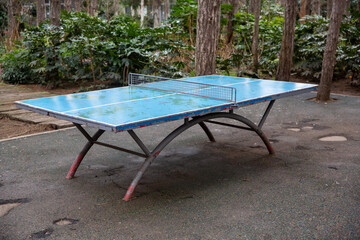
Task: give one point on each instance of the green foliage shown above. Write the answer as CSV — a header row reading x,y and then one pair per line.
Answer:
x,y
310,38
270,32
92,49
16,68
86,48
272,9
348,52
310,41
183,16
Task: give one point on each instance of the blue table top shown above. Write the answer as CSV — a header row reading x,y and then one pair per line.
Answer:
x,y
125,108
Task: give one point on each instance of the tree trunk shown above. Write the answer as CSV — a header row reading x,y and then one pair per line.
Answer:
x,y
68,5
251,6
55,9
167,9
307,7
347,7
302,8
78,4
255,39
329,8
142,13
40,12
14,10
329,58
230,29
316,7
156,7
133,11
116,8
208,30
282,2
93,7
287,44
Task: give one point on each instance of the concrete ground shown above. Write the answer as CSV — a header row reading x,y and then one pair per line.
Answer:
x,y
231,189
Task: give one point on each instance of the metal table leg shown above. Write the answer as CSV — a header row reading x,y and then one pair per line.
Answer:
x,y
150,156
182,128
84,151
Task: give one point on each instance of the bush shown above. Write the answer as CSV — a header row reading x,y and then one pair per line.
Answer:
x,y
310,42
270,31
86,48
16,69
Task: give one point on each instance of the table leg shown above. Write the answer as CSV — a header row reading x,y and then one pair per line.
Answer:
x,y
82,154
207,131
188,124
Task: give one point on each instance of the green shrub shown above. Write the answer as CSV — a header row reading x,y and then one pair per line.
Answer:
x,y
86,48
310,42
16,69
270,32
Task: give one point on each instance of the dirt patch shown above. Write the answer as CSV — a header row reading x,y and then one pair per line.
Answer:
x,y
339,86
12,128
57,91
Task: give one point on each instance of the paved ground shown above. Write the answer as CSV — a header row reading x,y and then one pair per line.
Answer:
x,y
230,189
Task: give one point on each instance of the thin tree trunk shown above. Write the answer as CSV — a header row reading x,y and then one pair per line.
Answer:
x,y
13,24
347,7
142,13
40,12
329,58
156,12
78,4
93,7
302,8
107,12
316,7
255,39
68,5
329,8
208,30
230,29
116,8
166,9
251,8
287,44
190,27
133,11
282,2
55,9
307,7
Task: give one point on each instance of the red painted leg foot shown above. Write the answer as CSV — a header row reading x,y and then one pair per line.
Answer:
x,y
129,193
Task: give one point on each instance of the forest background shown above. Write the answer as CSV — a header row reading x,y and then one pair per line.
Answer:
x,y
96,43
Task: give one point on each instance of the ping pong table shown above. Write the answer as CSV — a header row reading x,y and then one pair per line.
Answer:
x,y
151,100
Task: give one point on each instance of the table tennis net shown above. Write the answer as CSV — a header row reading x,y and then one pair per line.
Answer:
x,y
182,86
